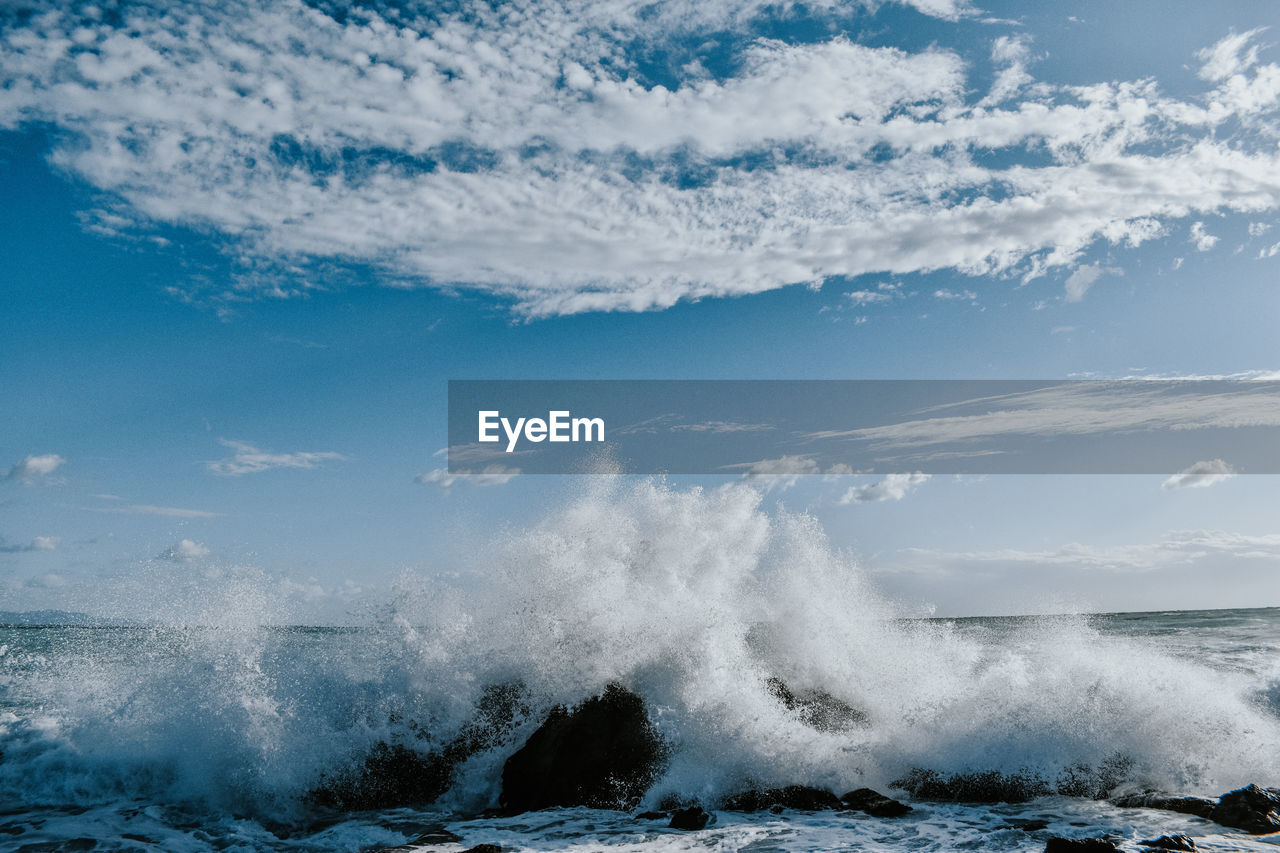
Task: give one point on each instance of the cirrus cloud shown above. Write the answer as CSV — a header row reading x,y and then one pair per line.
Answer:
x,y
248,459
489,475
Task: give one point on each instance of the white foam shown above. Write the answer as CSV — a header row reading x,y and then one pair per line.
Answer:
x,y
692,597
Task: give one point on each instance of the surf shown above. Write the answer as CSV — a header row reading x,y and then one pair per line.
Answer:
x,y
699,600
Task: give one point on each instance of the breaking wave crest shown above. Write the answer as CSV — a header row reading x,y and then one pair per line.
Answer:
x,y
717,612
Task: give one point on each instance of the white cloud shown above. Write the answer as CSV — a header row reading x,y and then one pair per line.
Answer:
x,y
1011,54
1082,408
894,487
163,511
786,466
40,543
1006,50
1083,278
247,459
1230,56
1176,548
952,294
1200,475
489,475
721,427
867,297
780,473
513,151
32,469
185,551
948,9
1254,375
1203,239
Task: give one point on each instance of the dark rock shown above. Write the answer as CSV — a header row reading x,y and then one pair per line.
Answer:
x,y
391,776
1026,825
800,797
395,775
1172,842
1198,806
1094,782
691,818
817,708
484,848
672,801
988,787
1253,809
652,816
1080,845
501,708
874,803
603,754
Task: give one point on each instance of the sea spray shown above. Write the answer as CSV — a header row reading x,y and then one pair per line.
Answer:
x,y
700,600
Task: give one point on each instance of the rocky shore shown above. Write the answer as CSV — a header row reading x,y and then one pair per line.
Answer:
x,y
605,753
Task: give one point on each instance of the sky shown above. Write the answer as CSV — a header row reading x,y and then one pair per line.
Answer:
x,y
244,250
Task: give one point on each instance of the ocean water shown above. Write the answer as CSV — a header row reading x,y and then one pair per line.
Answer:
x,y
207,727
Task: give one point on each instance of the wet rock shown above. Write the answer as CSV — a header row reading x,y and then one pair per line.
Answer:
x,y
1094,782
988,787
692,818
652,816
672,801
603,754
1172,842
1198,806
817,708
391,776
1026,825
395,775
484,848
501,708
1253,809
874,803
799,797
1080,845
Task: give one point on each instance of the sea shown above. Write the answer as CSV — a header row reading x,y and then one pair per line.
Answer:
x,y
211,724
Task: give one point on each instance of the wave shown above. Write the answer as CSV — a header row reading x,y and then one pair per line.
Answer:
x,y
711,608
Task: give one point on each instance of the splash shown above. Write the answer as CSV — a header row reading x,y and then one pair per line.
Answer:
x,y
729,620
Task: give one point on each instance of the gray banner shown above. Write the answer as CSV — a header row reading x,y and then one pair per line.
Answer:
x,y
780,427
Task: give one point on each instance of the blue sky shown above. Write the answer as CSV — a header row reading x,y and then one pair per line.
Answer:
x,y
245,250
